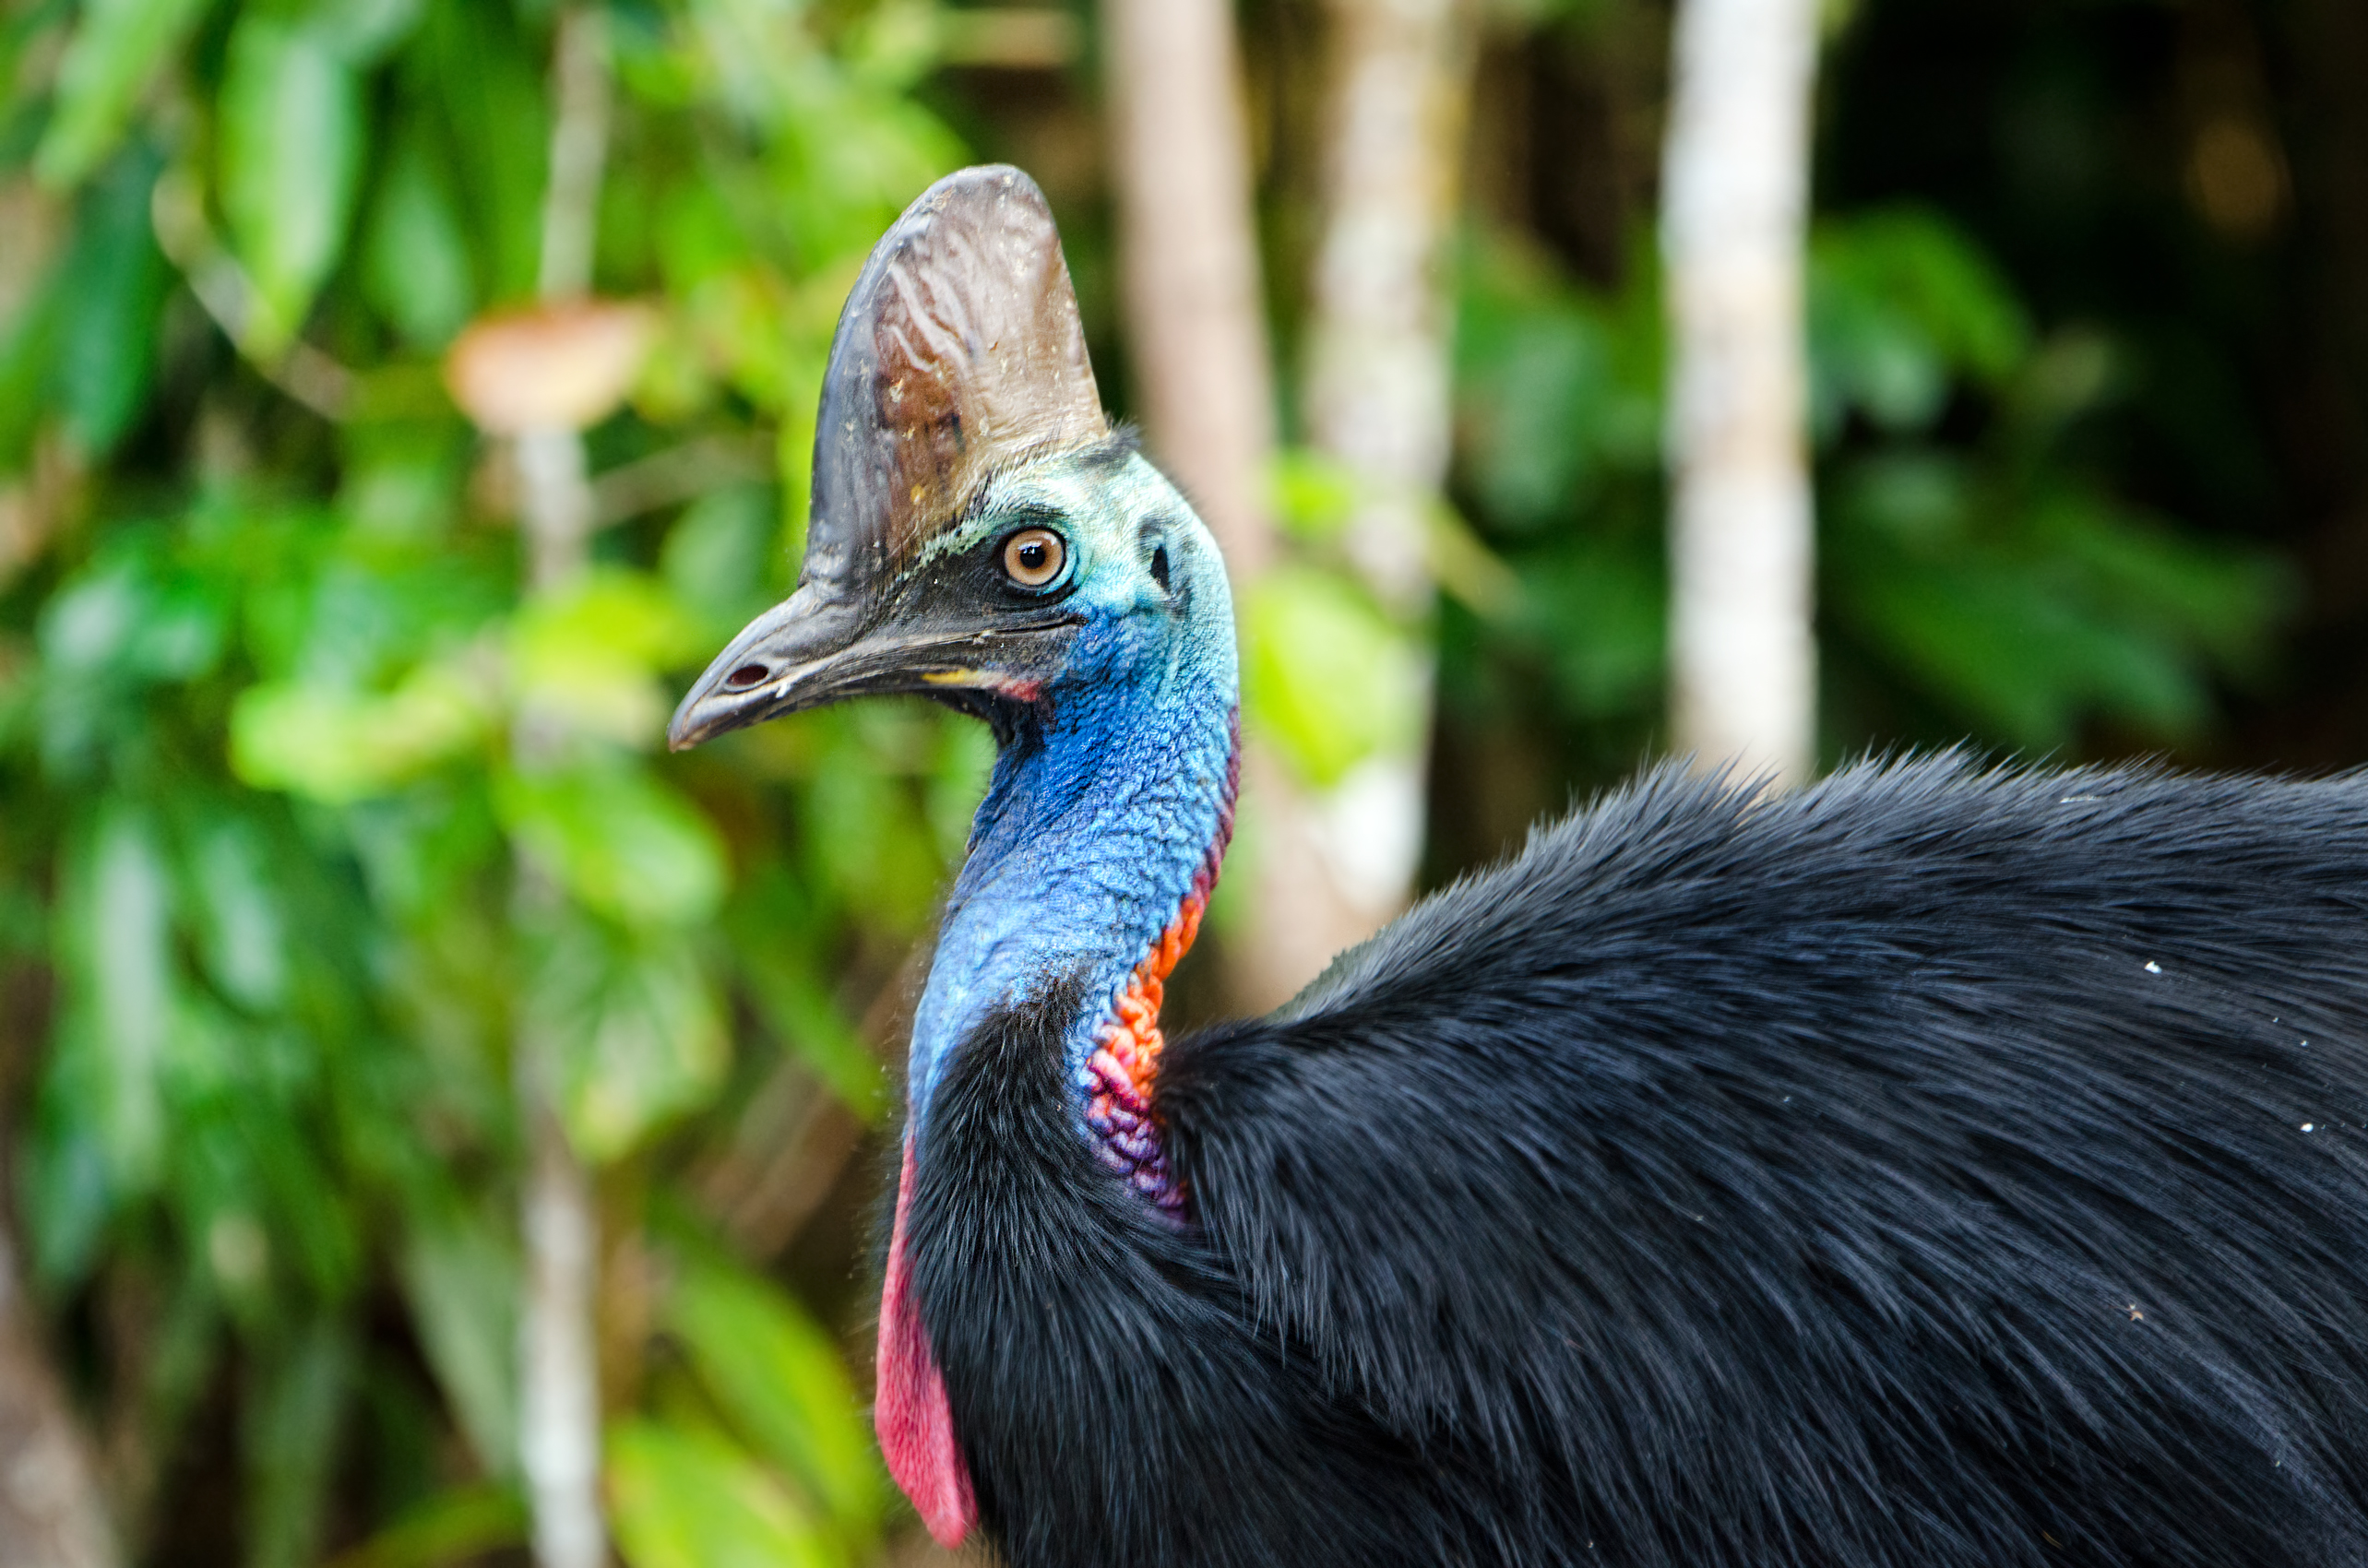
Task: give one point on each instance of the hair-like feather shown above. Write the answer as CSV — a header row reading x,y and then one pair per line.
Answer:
x,y
1935,1167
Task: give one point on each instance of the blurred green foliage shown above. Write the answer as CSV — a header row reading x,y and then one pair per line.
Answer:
x,y
266,652
262,814
1976,580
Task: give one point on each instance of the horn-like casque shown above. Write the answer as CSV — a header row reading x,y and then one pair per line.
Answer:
x,y
960,351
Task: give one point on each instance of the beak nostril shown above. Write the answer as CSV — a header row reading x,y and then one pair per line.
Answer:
x,y
745,676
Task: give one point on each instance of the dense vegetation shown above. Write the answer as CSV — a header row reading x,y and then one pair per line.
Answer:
x,y
265,645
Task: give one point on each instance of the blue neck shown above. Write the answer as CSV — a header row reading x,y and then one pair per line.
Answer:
x,y
1105,809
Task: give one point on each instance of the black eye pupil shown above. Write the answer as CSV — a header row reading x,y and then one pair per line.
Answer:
x,y
1032,555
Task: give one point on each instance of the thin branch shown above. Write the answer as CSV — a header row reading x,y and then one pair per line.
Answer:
x,y
560,1394
678,474
177,213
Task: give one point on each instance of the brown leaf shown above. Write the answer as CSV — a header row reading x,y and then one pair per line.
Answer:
x,y
554,367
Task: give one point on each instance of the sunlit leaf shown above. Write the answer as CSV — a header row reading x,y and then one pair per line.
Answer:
x,y
119,48
335,744
1326,675
290,156
1313,496
687,1499
619,841
590,654
780,1378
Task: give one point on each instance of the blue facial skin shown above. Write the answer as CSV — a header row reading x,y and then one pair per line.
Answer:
x,y
1100,813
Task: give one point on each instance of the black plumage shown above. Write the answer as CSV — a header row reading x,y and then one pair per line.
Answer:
x,y
1937,1168
1933,1167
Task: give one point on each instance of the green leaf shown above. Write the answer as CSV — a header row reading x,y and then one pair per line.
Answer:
x,y
298,1399
590,654
686,1499
1599,613
717,556
461,1281
119,959
415,262
465,1525
634,1024
291,153
69,1191
867,837
1900,303
360,31
127,616
239,927
487,73
619,841
109,300
120,48
781,1381
1313,496
341,745
1326,674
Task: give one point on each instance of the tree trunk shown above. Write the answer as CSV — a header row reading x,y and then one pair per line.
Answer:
x,y
50,1509
53,1507
1377,401
1742,653
1188,258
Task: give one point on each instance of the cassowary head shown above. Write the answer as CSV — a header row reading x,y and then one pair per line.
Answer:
x,y
980,534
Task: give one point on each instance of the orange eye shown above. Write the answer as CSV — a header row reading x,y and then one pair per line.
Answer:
x,y
1033,558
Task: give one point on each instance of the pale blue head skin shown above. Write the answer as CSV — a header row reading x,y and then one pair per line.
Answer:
x,y
1103,811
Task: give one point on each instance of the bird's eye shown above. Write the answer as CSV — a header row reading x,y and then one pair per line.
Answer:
x,y
1033,558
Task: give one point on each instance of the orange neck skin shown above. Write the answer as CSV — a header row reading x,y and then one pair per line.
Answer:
x,y
1120,1072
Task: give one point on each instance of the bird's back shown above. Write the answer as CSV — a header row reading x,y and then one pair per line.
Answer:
x,y
1935,1167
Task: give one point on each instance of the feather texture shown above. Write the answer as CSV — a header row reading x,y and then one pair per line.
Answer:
x,y
1935,1167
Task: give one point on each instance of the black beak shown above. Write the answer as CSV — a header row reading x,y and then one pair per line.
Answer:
x,y
797,655
816,648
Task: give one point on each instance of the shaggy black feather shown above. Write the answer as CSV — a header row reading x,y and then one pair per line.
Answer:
x,y
1933,1168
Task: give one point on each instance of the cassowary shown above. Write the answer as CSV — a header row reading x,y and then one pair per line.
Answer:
x,y
1937,1166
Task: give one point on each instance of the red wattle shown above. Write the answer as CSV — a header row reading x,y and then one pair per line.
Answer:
x,y
910,1411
